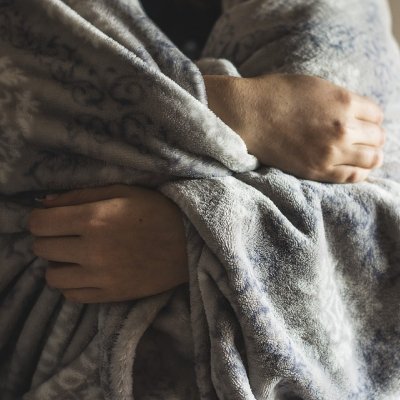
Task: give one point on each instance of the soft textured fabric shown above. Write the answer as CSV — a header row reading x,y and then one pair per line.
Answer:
x,y
294,285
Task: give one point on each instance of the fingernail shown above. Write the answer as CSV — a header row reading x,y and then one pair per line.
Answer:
x,y
40,197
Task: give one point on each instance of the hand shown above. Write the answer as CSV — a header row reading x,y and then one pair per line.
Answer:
x,y
112,243
303,125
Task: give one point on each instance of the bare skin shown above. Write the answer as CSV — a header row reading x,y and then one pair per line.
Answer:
x,y
121,242
111,243
303,125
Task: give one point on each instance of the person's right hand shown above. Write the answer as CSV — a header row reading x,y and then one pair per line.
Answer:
x,y
303,125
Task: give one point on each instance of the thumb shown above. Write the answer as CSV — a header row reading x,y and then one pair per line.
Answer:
x,y
85,195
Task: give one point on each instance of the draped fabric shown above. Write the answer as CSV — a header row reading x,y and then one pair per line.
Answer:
x,y
294,289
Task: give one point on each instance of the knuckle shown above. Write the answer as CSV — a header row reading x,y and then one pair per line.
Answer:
x,y
116,205
339,129
379,136
343,97
353,177
376,111
357,176
93,222
99,215
93,218
103,215
119,203
374,160
378,159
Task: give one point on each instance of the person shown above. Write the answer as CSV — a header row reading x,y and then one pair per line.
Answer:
x,y
100,242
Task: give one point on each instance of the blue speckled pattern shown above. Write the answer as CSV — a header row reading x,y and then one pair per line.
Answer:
x,y
294,289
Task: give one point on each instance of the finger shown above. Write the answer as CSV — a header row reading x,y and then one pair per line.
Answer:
x,y
343,174
362,157
68,276
85,295
60,221
87,195
349,174
367,133
367,110
60,249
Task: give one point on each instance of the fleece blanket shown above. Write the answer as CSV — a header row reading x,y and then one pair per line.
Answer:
x,y
294,285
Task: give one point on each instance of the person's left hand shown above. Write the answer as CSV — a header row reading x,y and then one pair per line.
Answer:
x,y
113,243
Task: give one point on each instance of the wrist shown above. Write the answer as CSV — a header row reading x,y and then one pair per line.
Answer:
x,y
233,101
223,95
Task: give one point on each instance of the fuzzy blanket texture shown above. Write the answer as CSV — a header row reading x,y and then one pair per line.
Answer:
x,y
294,286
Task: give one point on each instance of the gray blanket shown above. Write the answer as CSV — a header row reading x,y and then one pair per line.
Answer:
x,y
294,285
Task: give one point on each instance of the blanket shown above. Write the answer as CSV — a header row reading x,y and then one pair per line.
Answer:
x,y
294,285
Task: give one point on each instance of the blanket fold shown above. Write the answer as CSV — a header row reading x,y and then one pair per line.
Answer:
x,y
294,290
